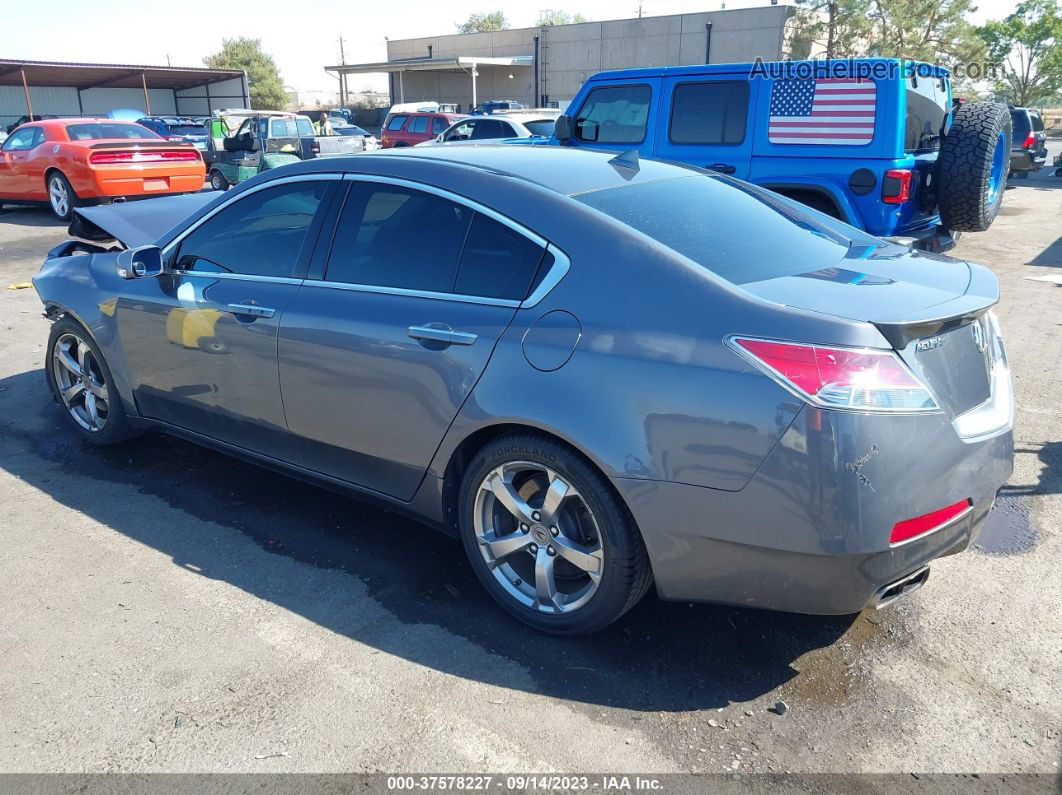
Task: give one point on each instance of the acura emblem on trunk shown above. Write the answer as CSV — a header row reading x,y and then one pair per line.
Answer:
x,y
979,336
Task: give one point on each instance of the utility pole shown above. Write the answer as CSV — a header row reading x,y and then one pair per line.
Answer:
x,y
342,76
639,9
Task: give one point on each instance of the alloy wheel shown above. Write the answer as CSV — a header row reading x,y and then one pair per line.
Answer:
x,y
59,196
538,537
80,382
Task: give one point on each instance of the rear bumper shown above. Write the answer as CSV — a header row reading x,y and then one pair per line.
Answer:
x,y
808,534
145,182
1024,160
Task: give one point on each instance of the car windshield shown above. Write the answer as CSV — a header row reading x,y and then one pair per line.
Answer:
x,y
737,231
543,127
101,130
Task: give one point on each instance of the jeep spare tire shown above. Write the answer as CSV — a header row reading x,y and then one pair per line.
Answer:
x,y
973,165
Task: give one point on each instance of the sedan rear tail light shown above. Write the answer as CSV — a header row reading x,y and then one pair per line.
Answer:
x,y
860,379
927,523
896,187
144,156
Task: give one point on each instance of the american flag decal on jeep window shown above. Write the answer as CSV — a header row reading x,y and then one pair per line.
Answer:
x,y
838,111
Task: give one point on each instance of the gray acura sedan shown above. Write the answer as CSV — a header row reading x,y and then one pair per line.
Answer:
x,y
598,373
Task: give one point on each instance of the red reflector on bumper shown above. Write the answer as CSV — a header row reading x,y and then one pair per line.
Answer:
x,y
911,528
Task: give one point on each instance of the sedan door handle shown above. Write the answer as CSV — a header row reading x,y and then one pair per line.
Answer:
x,y
251,310
723,168
444,335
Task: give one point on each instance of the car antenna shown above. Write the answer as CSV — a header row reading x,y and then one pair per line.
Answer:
x,y
626,162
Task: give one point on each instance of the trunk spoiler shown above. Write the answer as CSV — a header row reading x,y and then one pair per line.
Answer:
x,y
982,293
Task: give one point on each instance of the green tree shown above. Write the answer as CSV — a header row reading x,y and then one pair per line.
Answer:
x,y
263,77
833,28
936,31
559,18
483,23
1026,48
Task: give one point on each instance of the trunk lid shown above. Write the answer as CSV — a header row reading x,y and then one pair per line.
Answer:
x,y
931,309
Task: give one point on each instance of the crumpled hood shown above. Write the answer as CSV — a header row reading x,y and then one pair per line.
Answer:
x,y
136,223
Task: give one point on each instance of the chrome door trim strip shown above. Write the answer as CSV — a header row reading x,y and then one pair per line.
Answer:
x,y
401,291
238,277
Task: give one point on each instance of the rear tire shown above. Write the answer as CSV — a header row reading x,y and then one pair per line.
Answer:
x,y
973,165
61,197
218,181
82,385
578,563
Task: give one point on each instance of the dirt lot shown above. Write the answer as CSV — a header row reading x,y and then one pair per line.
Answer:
x,y
165,608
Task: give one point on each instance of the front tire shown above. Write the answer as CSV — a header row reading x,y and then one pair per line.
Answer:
x,y
549,538
82,385
61,197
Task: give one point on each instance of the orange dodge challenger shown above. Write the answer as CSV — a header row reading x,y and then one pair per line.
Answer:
x,y
69,162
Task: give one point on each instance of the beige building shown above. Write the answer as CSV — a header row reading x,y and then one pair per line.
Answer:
x,y
547,65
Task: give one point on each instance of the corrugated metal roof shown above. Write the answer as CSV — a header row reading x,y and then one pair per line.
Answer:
x,y
92,75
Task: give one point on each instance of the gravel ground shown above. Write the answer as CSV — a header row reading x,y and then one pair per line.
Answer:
x,y
165,608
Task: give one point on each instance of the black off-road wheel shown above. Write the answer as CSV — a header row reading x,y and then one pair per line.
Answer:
x,y
972,167
82,385
549,538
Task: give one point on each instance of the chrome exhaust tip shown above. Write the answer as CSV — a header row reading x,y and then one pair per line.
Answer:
x,y
897,589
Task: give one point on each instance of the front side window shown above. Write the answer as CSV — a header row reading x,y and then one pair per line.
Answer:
x,y
101,130
376,240
21,140
419,124
258,235
462,132
396,123
709,113
614,115
497,262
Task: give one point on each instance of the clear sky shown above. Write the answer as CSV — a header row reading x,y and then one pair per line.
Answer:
x,y
303,37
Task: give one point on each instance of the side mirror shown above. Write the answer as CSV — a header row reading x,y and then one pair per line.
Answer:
x,y
140,262
563,129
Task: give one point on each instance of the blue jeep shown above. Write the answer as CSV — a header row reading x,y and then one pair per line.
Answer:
x,y
875,142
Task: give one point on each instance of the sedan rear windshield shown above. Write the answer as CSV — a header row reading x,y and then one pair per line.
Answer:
x,y
543,127
103,130
737,231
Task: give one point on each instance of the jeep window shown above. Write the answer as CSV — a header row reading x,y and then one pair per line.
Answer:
x,y
709,113
927,105
614,115
737,231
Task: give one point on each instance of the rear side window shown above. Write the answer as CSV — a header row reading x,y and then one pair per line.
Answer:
x,y
709,113
376,241
737,231
419,124
543,127
497,262
438,124
614,115
1037,122
396,123
927,105
486,129
259,235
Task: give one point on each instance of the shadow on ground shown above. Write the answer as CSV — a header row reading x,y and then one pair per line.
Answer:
x,y
661,656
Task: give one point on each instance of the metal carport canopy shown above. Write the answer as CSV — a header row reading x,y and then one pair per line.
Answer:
x,y
83,76
432,65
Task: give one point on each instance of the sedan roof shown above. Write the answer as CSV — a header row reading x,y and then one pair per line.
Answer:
x,y
566,170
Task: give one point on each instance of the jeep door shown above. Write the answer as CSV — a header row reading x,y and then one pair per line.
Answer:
x,y
708,122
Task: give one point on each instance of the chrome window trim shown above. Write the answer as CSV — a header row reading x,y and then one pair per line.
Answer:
x,y
561,262
401,291
324,177
239,277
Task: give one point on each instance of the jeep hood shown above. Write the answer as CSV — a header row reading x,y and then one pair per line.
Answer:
x,y
136,223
